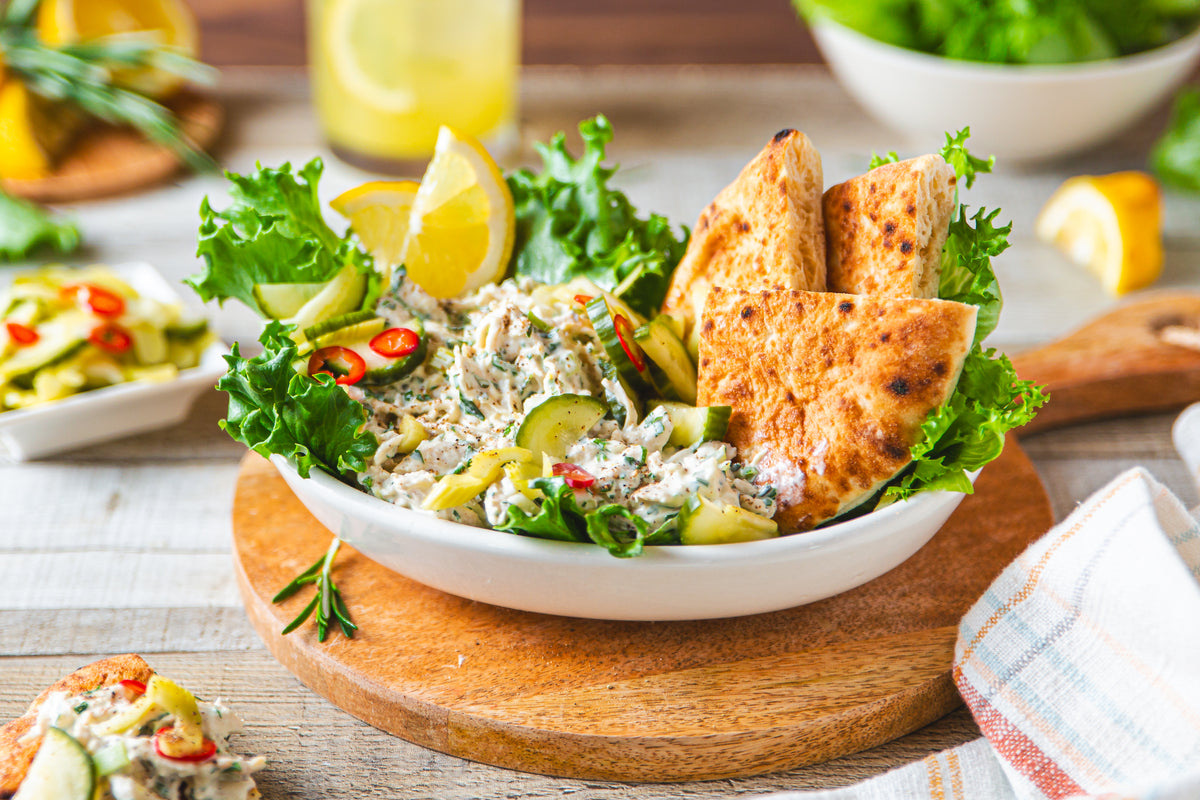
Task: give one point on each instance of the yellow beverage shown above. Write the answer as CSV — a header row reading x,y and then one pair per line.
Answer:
x,y
387,73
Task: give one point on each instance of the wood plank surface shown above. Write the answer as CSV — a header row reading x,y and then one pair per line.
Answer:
x,y
680,135
582,32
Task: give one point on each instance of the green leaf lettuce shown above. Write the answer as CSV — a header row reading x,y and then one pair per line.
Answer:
x,y
26,227
273,232
273,409
570,223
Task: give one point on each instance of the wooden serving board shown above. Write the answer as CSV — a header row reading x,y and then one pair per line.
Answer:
x,y
637,701
108,160
691,700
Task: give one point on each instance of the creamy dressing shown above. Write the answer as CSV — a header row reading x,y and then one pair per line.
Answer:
x,y
148,775
495,355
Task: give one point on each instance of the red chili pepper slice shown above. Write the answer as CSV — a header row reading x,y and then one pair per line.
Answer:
x,y
342,359
136,687
207,750
583,299
577,477
23,335
395,342
112,338
624,329
99,300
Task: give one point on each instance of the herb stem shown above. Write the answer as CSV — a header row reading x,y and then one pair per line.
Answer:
x,y
327,603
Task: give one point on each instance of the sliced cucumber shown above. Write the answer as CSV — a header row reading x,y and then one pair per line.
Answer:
x,y
557,423
338,323
61,770
691,425
282,300
674,323
149,343
59,338
704,522
187,331
361,331
341,295
113,757
604,322
660,343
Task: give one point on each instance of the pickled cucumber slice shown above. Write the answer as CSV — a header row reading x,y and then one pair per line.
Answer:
x,y
557,423
61,770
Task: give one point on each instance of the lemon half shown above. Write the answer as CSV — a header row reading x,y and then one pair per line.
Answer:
x,y
1109,224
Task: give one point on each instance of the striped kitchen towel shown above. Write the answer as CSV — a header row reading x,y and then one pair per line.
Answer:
x,y
1081,664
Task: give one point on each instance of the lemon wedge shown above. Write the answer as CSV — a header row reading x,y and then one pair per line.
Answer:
x,y
462,225
379,213
33,132
453,233
1109,224
170,22
22,155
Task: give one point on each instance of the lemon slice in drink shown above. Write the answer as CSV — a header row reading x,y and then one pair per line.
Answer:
x,y
363,36
462,225
1109,224
379,213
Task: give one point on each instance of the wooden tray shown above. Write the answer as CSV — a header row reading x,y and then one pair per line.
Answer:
x,y
688,700
108,160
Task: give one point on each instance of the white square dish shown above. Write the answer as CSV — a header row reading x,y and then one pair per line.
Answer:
x,y
113,411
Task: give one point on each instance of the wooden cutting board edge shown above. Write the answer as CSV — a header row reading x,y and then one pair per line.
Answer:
x,y
475,736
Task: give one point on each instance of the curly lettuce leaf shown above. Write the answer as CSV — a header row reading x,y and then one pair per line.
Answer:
x,y
570,223
1026,32
1176,155
273,232
560,517
968,431
889,21
26,227
275,410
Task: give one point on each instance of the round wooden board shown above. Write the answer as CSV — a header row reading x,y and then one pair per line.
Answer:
x,y
106,160
636,701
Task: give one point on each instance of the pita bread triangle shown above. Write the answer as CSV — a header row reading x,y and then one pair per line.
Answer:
x,y
884,230
828,390
764,230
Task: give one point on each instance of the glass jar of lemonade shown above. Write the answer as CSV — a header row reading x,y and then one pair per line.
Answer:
x,y
387,73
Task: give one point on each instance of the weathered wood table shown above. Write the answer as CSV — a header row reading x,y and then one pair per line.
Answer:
x,y
125,546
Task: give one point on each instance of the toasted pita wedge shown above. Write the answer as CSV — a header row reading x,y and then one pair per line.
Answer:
x,y
762,231
828,390
884,231
16,755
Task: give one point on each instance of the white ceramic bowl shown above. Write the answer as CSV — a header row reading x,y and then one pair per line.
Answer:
x,y
583,580
114,411
1016,111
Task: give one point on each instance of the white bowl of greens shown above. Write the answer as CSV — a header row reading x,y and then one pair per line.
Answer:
x,y
1073,89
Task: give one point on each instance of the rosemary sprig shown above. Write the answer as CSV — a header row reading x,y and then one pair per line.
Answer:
x,y
327,603
82,75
